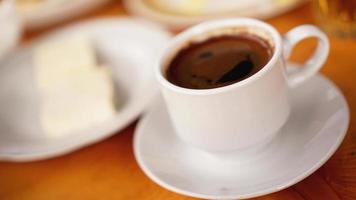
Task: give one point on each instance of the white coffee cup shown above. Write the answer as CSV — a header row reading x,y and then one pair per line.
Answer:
x,y
246,113
10,26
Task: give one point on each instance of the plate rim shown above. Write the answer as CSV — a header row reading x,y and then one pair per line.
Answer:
x,y
140,8
35,19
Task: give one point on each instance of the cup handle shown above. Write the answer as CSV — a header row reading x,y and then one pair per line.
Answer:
x,y
315,62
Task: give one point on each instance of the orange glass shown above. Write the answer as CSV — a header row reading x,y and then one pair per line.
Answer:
x,y
337,17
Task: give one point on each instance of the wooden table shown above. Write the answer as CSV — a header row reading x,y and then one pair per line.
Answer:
x,y
108,170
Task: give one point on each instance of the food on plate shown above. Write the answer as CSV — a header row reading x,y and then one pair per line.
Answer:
x,y
202,7
76,92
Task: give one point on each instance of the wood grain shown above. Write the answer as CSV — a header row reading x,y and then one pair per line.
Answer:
x,y
108,170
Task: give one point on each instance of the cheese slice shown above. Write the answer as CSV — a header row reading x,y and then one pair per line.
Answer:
x,y
59,59
79,103
76,93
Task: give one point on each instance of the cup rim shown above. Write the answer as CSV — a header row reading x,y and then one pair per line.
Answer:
x,y
213,25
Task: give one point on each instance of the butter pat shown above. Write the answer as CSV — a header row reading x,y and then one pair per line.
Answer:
x,y
76,93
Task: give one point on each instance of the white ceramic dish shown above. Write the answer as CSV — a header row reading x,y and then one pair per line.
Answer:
x,y
51,12
315,129
261,10
10,27
130,47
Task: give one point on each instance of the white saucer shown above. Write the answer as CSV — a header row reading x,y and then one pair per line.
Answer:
x,y
315,129
262,10
130,47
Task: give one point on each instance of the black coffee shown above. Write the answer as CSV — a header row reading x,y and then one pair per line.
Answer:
x,y
219,61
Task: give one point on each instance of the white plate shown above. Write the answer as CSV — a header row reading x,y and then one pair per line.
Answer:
x,y
50,12
315,129
130,47
261,10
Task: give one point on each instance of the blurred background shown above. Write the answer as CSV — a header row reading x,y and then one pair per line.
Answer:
x,y
335,16
109,165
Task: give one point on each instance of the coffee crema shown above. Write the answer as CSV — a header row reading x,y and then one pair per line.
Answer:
x,y
219,61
